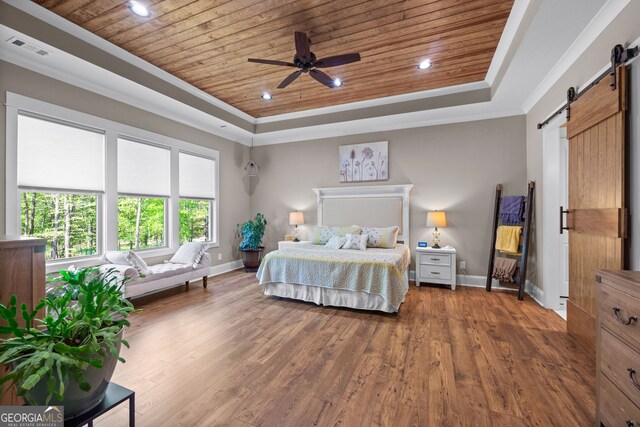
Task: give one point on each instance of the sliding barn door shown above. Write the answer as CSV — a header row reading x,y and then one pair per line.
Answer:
x,y
597,214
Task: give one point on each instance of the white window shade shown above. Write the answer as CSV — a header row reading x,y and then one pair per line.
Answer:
x,y
143,169
58,156
197,177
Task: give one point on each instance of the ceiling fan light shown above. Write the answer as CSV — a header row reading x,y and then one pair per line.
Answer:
x,y
337,82
424,64
139,9
266,96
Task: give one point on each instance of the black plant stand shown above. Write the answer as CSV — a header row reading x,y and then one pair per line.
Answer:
x,y
114,396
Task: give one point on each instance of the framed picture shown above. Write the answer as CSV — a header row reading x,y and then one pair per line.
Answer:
x,y
368,161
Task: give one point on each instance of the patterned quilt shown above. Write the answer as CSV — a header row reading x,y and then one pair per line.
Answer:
x,y
374,271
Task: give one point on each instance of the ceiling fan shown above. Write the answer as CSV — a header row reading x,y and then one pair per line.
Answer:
x,y
305,61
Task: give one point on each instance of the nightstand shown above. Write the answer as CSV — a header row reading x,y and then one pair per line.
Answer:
x,y
290,243
436,266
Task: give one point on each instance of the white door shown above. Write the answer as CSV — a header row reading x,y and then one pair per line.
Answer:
x,y
564,198
555,246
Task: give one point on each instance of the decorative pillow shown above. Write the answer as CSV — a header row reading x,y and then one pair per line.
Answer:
x,y
117,257
189,253
336,242
385,238
138,263
321,234
356,241
128,258
351,229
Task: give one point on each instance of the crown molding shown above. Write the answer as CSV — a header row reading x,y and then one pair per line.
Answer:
x,y
592,31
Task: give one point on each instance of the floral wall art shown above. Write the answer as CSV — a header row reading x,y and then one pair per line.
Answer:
x,y
364,162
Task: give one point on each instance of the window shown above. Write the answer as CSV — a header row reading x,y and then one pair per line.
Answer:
x,y
197,196
144,185
67,221
195,220
140,222
60,175
89,185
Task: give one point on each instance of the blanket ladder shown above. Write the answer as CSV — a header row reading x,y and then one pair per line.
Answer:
x,y
520,276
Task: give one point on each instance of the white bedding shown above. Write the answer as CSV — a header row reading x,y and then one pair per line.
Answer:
x,y
374,279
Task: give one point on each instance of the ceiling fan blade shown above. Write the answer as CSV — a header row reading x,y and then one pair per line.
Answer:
x,y
322,78
302,46
334,61
291,77
270,62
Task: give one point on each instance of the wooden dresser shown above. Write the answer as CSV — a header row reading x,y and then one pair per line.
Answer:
x,y
22,273
618,349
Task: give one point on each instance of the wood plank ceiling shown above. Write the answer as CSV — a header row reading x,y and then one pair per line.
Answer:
x,y
206,43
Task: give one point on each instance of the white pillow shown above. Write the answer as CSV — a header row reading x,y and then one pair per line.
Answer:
x,y
138,263
356,241
117,257
189,253
128,258
336,242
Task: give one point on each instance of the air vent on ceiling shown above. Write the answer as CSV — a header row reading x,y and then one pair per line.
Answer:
x,y
28,46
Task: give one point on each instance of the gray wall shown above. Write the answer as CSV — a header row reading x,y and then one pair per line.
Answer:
x,y
453,167
624,29
234,189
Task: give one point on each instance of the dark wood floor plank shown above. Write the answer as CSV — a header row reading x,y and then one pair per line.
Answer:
x,y
228,355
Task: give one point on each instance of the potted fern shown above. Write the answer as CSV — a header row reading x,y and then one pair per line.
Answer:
x,y
251,233
68,356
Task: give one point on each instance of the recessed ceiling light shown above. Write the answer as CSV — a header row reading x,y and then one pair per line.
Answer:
x,y
337,82
424,64
267,96
139,9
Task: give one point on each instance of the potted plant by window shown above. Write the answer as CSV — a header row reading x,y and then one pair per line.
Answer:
x,y
251,234
68,356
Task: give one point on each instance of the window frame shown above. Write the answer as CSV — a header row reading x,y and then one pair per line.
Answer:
x,y
107,235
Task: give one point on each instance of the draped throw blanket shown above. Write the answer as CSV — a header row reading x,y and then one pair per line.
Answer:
x,y
504,269
508,238
511,210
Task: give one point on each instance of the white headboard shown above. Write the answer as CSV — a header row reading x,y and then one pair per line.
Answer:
x,y
369,206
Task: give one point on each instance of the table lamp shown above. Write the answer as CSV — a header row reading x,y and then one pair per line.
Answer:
x,y
296,218
436,219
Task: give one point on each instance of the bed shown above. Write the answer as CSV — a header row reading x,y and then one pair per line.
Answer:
x,y
375,279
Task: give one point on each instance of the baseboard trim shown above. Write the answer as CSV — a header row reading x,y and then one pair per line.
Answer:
x,y
481,282
216,270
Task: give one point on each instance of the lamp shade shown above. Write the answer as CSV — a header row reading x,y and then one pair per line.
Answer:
x,y
296,218
436,219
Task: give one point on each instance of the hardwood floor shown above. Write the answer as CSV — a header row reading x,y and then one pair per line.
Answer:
x,y
228,355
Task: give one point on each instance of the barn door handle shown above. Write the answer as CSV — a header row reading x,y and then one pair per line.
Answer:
x,y
562,212
632,373
616,313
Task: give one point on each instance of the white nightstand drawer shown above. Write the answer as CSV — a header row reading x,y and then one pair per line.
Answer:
x,y
435,259
442,272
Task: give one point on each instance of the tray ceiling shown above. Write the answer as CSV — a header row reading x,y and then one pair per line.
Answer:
x,y
207,43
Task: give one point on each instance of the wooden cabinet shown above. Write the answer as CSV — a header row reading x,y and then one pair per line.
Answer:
x,y
22,273
618,349
436,266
